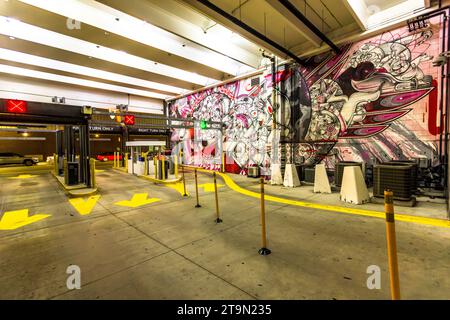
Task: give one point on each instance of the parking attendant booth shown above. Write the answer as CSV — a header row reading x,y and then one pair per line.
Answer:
x,y
136,163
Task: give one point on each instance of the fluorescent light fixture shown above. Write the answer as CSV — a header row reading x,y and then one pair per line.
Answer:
x,y
76,81
24,31
114,21
25,58
372,14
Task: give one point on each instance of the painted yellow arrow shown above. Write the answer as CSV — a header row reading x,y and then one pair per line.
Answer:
x,y
178,187
209,187
24,176
138,200
15,219
84,207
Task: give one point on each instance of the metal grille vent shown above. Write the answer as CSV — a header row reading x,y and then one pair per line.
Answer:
x,y
398,178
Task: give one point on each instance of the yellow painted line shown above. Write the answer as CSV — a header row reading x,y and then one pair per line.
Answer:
x,y
84,207
209,187
361,212
138,200
99,171
24,176
12,220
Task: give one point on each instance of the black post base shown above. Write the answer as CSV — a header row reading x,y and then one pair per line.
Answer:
x,y
264,251
218,220
185,195
198,206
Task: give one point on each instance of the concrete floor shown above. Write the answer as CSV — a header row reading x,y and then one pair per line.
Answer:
x,y
171,250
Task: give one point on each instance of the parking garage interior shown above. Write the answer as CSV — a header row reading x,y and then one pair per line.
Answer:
x,y
224,150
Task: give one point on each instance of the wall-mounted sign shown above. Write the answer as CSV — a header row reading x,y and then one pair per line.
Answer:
x,y
16,106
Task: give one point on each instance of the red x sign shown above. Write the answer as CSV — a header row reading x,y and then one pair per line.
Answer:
x,y
16,106
129,120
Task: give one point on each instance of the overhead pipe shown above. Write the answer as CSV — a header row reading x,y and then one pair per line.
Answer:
x,y
300,16
249,29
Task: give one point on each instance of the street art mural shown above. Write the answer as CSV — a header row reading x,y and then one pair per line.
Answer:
x,y
246,113
375,101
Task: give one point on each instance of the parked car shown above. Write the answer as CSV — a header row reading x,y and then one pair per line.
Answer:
x,y
15,158
107,156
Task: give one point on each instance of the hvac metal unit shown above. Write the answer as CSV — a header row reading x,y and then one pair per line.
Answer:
x,y
339,170
397,178
415,169
309,174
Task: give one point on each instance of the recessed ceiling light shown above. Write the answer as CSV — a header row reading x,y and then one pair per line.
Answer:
x,y
24,31
12,38
102,16
20,57
77,81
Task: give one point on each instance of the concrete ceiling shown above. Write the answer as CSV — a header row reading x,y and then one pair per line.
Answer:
x,y
166,47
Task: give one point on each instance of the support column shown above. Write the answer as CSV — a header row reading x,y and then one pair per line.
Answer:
x,y
85,154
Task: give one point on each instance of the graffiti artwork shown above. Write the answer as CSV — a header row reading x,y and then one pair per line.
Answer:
x,y
371,102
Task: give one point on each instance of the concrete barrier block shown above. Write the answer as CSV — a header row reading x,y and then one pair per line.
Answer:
x,y
291,177
321,182
353,188
276,177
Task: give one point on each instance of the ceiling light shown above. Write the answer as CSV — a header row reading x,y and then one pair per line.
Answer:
x,y
101,16
76,81
20,57
42,36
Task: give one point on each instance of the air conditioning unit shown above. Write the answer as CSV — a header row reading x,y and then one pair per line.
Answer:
x,y
397,178
339,170
309,174
415,169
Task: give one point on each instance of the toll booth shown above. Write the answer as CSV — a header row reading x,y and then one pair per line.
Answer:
x,y
137,161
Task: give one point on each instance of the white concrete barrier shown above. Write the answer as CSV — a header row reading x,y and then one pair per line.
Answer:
x,y
321,182
353,187
276,177
291,176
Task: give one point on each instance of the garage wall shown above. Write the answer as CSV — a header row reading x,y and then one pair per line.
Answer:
x,y
14,87
378,100
42,148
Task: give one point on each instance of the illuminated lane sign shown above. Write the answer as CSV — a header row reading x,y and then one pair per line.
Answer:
x,y
16,106
129,120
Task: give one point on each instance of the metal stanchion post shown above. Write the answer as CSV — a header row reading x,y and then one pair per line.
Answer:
x,y
156,167
392,244
196,190
223,161
184,182
263,251
92,164
163,171
176,166
218,220
145,165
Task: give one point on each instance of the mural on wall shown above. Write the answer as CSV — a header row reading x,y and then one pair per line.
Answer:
x,y
358,101
246,112
375,101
